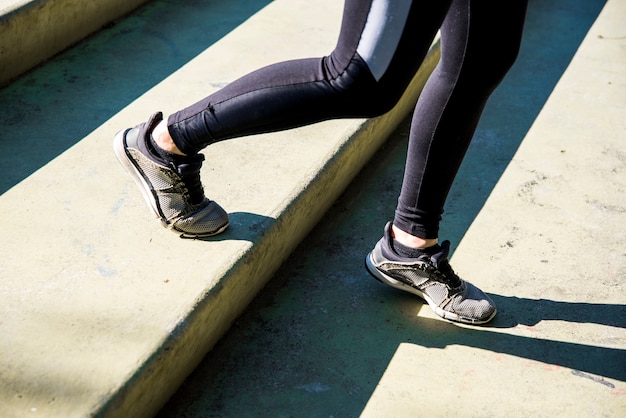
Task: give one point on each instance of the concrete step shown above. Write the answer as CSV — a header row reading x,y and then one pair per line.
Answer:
x,y
104,312
536,218
32,31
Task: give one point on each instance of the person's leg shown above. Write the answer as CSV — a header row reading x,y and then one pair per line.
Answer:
x,y
381,45
479,43
375,58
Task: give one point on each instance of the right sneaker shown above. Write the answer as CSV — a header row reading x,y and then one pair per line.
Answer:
x,y
431,278
173,192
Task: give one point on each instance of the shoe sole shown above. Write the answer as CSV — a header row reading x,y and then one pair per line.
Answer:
x,y
187,235
136,174
388,280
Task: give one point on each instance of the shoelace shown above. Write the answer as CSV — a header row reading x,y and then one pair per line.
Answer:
x,y
442,267
190,175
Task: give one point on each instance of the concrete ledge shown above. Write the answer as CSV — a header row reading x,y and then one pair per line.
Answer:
x,y
33,31
110,311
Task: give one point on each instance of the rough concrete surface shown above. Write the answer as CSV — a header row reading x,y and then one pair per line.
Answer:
x,y
34,31
105,312
101,315
536,218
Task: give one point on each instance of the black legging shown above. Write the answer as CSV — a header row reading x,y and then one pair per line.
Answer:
x,y
381,45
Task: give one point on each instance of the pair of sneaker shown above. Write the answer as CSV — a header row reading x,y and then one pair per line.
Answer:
x,y
175,195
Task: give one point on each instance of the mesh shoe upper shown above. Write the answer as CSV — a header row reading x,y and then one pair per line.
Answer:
x,y
431,278
173,192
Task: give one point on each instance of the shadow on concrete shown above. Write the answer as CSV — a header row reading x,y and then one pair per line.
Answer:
x,y
318,339
51,108
514,311
596,360
322,334
586,359
244,226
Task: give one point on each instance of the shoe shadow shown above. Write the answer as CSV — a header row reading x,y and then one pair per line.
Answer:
x,y
514,311
588,361
244,226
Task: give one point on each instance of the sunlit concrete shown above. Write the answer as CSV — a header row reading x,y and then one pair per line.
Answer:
x,y
105,312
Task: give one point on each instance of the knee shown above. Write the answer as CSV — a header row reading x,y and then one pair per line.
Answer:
x,y
357,89
496,67
488,68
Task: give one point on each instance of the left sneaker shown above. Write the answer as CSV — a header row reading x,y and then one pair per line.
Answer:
x,y
431,278
173,192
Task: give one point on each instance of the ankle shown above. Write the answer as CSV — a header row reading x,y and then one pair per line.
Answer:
x,y
163,140
412,241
